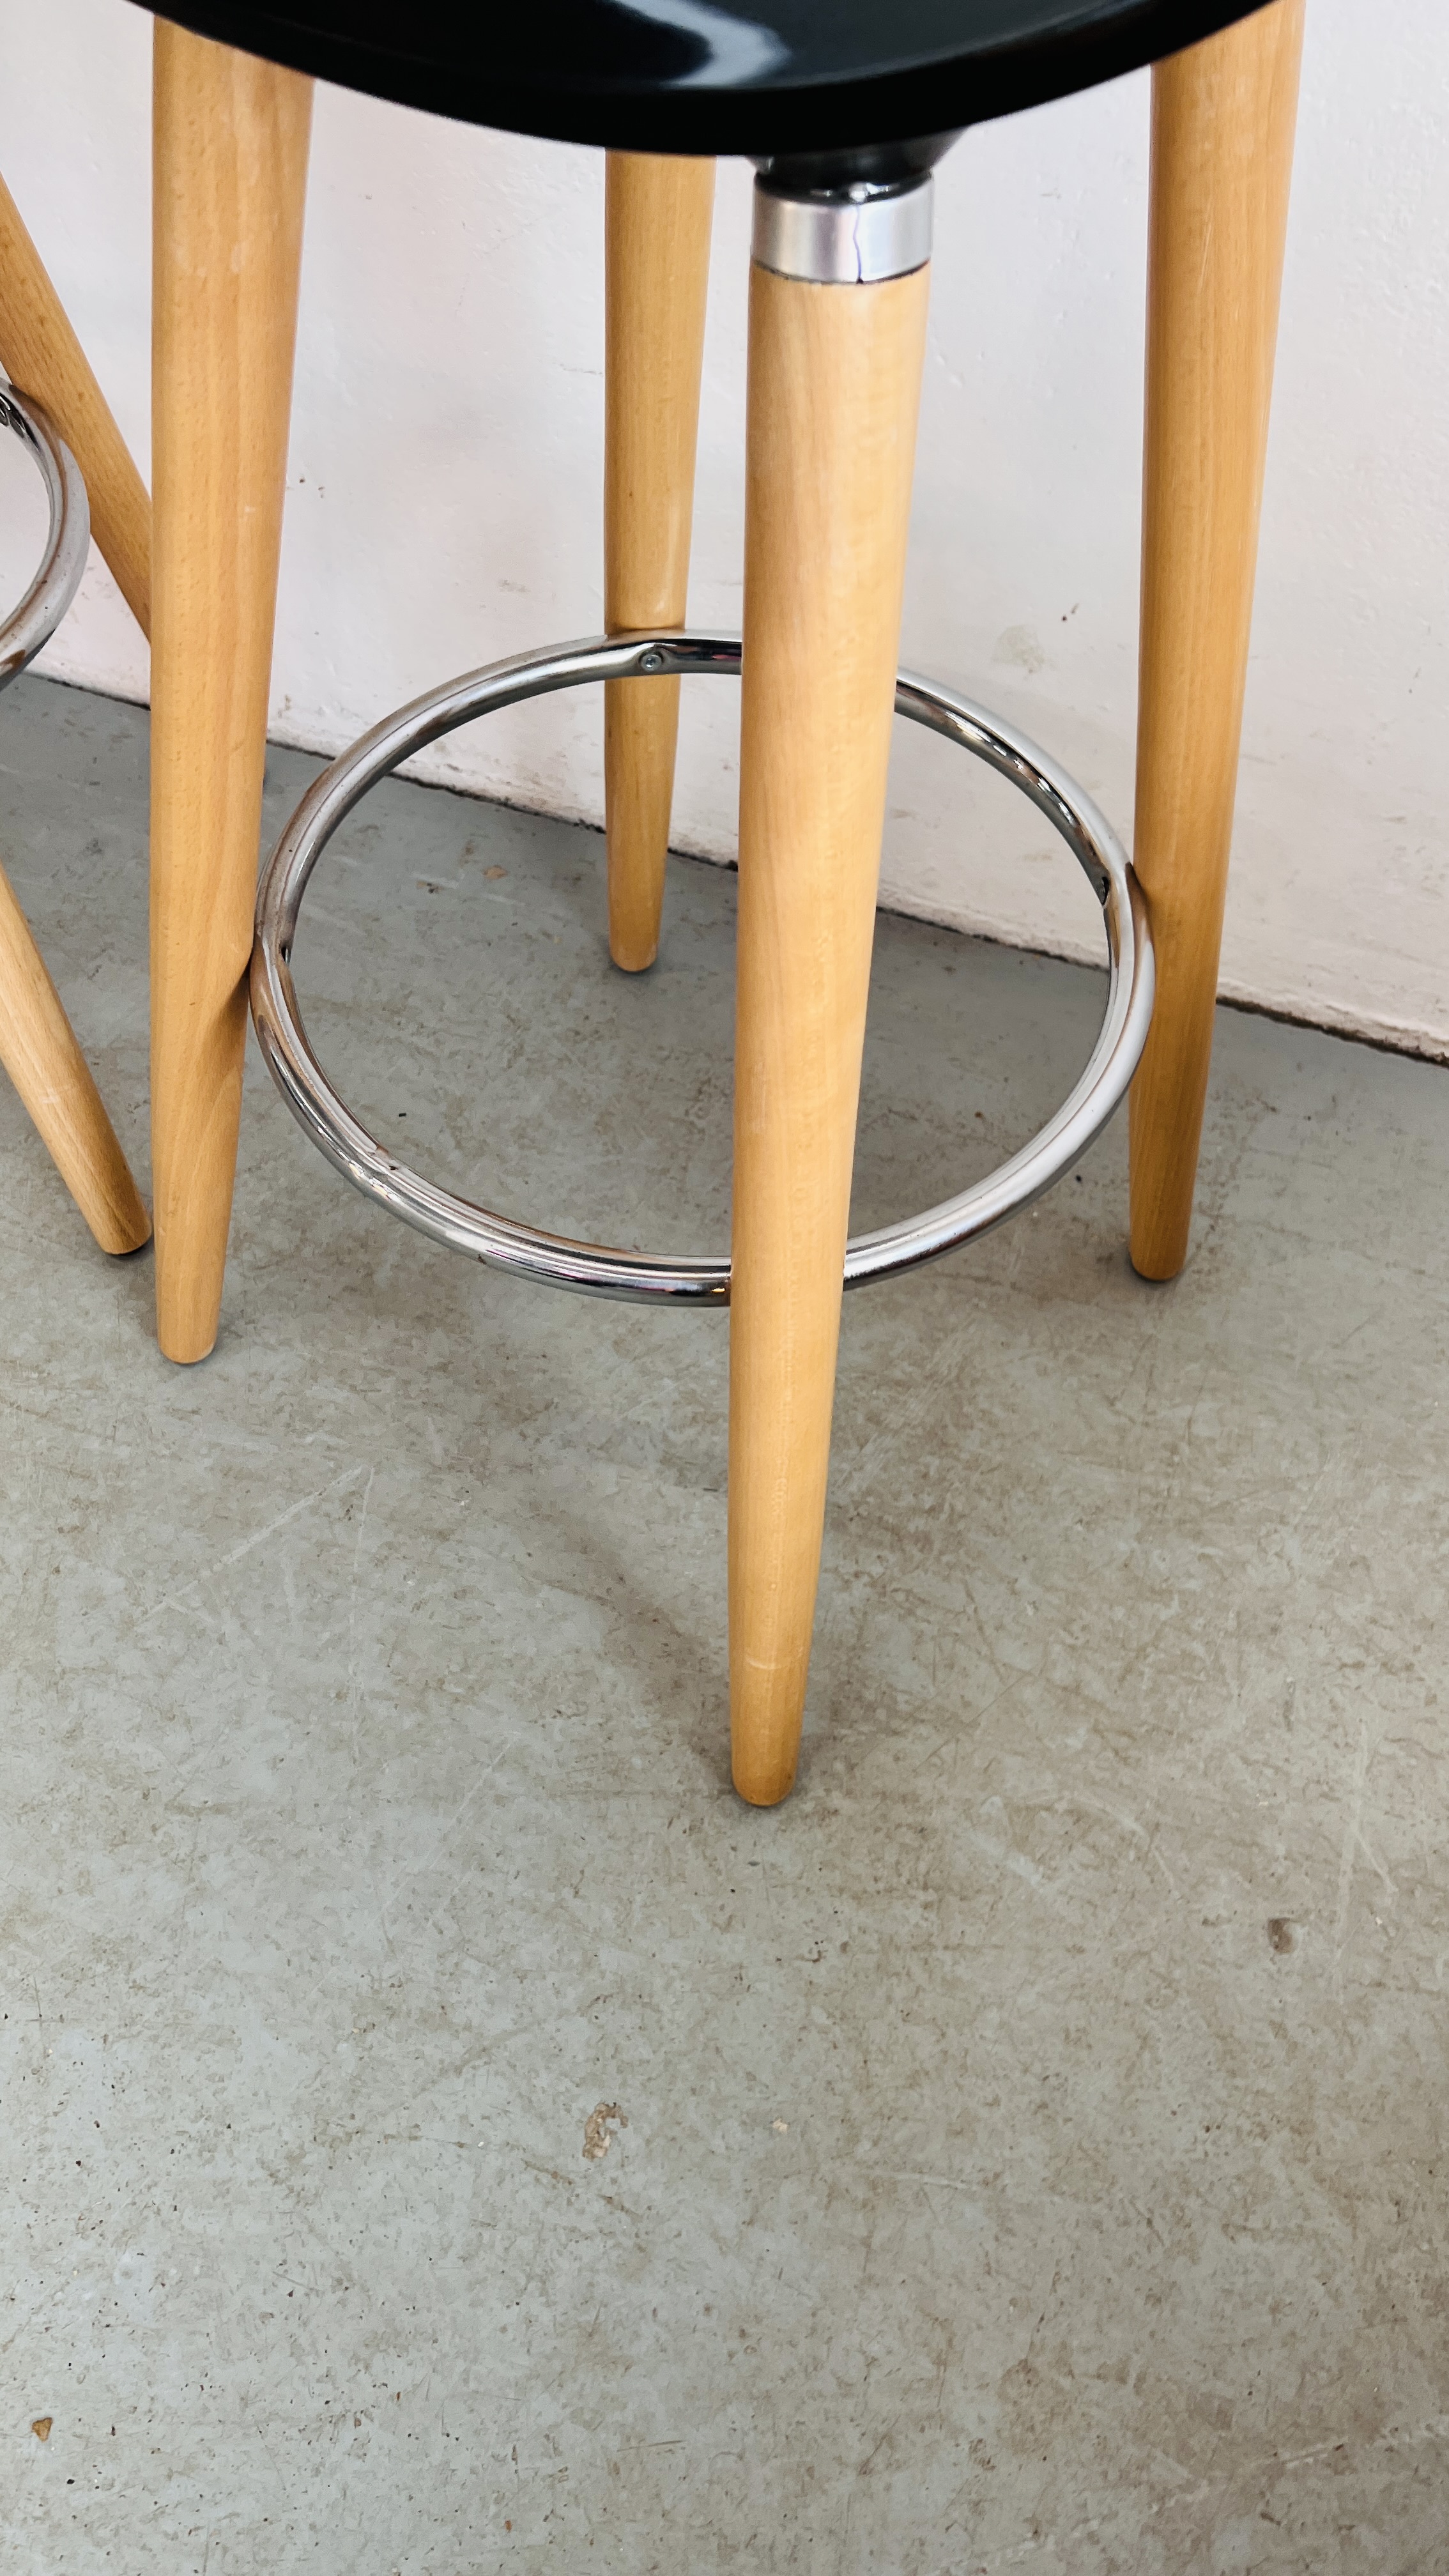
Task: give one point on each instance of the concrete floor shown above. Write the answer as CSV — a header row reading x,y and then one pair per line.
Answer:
x,y
1035,2149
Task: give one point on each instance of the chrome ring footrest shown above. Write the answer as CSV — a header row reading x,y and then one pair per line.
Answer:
x,y
29,628
593,1268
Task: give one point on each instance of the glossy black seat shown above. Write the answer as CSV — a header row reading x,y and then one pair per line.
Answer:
x,y
844,105
716,76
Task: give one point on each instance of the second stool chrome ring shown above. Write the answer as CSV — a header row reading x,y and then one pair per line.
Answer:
x,y
31,624
595,1269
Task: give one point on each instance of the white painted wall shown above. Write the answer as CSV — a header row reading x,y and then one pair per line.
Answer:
x,y
444,501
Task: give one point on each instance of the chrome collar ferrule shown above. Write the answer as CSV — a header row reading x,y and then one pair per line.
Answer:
x,y
853,236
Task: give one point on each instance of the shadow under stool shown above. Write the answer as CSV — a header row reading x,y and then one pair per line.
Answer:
x,y
844,108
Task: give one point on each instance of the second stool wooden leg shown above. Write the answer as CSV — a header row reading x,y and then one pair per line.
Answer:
x,y
230,180
39,1052
1222,151
834,384
657,224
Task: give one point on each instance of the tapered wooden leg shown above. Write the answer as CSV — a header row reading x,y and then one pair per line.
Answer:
x,y
39,1052
657,221
1222,149
42,356
231,136
834,381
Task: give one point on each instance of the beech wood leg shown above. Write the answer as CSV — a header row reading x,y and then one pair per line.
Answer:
x,y
657,223
1222,149
39,1052
42,356
231,136
834,382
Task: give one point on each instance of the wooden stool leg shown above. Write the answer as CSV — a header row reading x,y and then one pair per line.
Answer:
x,y
42,356
834,382
231,137
657,221
1222,150
39,1052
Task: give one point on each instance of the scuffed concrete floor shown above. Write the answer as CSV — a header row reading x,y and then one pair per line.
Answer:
x,y
1035,2149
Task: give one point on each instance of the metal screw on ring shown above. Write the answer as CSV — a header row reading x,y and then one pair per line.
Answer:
x,y
29,628
594,1268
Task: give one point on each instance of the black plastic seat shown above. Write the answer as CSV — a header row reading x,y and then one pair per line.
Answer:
x,y
716,76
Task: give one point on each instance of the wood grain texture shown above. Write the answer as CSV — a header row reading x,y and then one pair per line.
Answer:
x,y
834,384
39,1052
657,228
231,137
1222,149
42,356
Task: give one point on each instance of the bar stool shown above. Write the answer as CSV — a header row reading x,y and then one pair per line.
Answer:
x,y
845,109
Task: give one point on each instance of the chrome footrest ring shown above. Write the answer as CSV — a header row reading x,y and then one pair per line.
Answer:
x,y
30,626
595,1269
